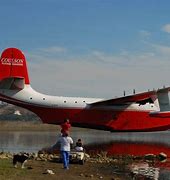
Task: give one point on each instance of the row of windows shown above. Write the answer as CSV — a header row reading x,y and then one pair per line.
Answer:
x,y
74,101
64,101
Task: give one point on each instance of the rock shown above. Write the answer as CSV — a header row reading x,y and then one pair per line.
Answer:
x,y
49,171
91,175
162,157
81,174
4,155
38,159
86,156
149,157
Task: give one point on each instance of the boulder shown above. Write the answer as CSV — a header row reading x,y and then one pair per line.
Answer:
x,y
162,157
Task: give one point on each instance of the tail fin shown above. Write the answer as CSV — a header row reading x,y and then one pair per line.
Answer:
x,y
13,65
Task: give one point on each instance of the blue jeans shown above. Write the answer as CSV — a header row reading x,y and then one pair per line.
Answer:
x,y
65,158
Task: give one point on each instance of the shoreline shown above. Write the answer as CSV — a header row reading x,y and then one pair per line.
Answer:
x,y
26,126
39,170
34,126
99,167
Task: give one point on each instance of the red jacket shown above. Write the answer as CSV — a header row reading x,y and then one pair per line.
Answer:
x,y
65,127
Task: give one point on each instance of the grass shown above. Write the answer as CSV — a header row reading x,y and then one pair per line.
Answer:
x,y
7,170
92,169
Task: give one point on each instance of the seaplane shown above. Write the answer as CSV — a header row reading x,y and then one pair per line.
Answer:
x,y
145,111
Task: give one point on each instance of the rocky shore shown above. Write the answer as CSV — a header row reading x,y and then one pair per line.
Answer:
x,y
44,165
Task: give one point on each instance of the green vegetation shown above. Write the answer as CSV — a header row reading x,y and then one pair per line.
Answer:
x,y
7,170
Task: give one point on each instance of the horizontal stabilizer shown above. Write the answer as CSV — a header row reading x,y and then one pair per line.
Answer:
x,y
12,83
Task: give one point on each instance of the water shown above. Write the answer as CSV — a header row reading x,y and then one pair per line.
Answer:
x,y
121,143
94,141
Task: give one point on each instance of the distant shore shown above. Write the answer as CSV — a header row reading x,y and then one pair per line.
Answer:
x,y
26,126
32,126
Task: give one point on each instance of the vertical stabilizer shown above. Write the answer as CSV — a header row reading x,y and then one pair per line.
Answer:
x,y
13,64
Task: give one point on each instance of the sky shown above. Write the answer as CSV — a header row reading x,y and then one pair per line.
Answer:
x,y
90,48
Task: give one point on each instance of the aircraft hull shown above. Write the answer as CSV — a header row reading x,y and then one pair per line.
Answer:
x,y
148,111
95,118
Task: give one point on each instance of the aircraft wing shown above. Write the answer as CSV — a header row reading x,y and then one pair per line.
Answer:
x,y
126,99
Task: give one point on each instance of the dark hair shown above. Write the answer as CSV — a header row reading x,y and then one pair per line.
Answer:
x,y
65,120
65,134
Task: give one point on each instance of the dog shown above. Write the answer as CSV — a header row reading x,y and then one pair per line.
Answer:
x,y
20,158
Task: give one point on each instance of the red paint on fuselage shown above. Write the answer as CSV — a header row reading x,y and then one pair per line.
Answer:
x,y
92,115
113,120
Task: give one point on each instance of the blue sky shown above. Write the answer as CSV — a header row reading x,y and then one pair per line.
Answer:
x,y
96,48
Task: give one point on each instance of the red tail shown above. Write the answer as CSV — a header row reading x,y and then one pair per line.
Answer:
x,y
13,64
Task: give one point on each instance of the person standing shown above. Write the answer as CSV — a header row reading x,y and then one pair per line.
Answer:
x,y
65,142
65,127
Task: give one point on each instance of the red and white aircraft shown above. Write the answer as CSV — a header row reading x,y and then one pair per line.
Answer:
x,y
148,111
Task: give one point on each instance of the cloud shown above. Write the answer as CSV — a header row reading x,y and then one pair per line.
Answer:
x,y
53,49
99,74
51,53
144,33
166,28
162,49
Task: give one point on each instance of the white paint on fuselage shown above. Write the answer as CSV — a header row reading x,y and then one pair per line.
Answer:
x,y
30,96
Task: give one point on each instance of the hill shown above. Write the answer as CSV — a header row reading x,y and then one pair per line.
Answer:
x,y
9,112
